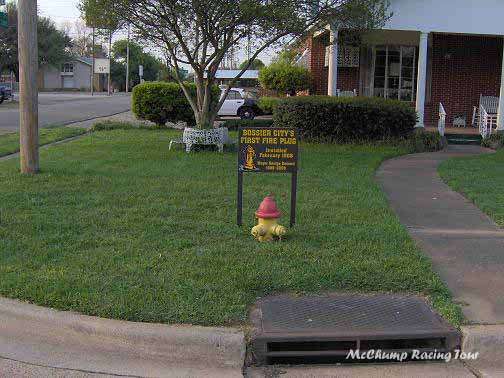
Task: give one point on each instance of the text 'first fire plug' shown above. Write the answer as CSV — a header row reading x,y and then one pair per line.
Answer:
x,y
267,216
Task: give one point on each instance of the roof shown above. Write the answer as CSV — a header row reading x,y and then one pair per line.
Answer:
x,y
84,59
231,74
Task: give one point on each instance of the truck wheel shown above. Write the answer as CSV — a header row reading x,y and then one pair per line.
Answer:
x,y
246,113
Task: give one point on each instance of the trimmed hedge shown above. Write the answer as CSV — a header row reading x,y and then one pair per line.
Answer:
x,y
344,119
267,104
234,124
285,78
162,102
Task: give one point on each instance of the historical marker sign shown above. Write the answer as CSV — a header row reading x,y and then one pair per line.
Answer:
x,y
268,150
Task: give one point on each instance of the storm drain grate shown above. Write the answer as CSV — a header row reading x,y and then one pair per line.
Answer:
x,y
326,329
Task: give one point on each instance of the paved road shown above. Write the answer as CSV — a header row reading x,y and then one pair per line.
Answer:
x,y
465,245
63,108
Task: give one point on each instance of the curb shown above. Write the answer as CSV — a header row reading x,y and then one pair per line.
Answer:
x,y
488,340
70,123
62,141
66,340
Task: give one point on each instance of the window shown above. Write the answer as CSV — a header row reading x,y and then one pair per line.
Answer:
x,y
234,95
67,68
394,72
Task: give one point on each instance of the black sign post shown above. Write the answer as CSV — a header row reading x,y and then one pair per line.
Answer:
x,y
267,150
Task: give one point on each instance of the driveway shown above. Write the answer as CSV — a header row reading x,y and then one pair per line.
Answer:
x,y
64,108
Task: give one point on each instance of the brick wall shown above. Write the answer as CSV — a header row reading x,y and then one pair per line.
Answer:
x,y
463,67
348,77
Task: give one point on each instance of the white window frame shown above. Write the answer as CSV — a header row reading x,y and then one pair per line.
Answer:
x,y
385,89
70,67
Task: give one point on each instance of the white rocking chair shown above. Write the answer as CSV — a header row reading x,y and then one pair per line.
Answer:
x,y
491,105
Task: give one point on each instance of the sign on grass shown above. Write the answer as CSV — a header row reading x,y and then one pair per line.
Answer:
x,y
268,149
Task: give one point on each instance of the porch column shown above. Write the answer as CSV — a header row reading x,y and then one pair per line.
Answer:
x,y
332,82
422,78
500,112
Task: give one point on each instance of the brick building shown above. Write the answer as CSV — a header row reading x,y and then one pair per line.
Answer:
x,y
429,52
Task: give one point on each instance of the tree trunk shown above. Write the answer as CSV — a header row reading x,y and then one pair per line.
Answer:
x,y
204,117
205,120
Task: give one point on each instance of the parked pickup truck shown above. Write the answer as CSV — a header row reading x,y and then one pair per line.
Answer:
x,y
5,93
239,103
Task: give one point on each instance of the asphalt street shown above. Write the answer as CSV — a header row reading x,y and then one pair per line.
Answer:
x,y
64,108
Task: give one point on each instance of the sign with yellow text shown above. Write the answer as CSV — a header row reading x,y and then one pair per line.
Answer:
x,y
268,149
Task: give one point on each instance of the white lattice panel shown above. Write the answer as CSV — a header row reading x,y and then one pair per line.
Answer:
x,y
348,56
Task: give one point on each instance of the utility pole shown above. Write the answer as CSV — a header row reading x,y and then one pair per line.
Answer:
x,y
110,59
28,91
127,59
93,64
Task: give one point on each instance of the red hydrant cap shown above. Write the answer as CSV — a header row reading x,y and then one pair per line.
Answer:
x,y
268,209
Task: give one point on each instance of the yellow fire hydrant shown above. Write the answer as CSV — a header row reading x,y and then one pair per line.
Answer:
x,y
267,216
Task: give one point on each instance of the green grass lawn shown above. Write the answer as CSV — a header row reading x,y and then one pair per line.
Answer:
x,y
118,226
480,179
9,143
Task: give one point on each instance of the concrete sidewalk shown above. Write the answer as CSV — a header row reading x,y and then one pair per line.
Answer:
x,y
39,342
465,245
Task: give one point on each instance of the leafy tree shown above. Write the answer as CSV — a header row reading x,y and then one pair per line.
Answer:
x,y
153,67
53,44
9,42
100,14
285,78
257,64
82,40
201,33
287,56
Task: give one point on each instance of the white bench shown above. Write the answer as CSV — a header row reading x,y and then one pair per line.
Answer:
x,y
206,137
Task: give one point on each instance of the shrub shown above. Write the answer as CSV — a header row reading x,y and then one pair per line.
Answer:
x,y
117,125
110,125
495,141
163,102
346,119
234,124
284,78
421,141
267,104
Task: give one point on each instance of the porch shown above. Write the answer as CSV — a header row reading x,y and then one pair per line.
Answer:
x,y
425,69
